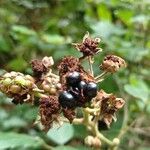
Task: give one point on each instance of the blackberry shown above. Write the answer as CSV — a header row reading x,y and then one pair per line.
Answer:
x,y
82,85
75,94
73,78
91,90
66,99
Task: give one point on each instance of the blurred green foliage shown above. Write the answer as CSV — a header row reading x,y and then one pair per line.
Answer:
x,y
35,28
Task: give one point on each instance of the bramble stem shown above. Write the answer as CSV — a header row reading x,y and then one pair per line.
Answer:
x,y
39,95
90,64
94,127
76,121
101,75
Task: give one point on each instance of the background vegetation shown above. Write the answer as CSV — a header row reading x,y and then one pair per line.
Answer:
x,y
35,28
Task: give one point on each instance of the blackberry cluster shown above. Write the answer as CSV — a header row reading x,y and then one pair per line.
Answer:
x,y
78,91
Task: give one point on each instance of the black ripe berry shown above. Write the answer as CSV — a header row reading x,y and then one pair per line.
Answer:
x,y
102,125
91,90
82,85
73,78
66,99
75,94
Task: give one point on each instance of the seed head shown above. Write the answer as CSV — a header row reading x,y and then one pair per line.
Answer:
x,y
89,46
109,106
69,64
49,110
112,63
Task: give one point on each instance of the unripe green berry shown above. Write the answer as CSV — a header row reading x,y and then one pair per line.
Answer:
x,y
7,75
46,87
53,90
15,89
20,80
29,84
7,81
28,77
3,88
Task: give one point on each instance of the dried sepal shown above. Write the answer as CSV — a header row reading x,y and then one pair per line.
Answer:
x,y
20,99
49,111
109,105
68,64
48,62
40,67
112,63
69,114
89,46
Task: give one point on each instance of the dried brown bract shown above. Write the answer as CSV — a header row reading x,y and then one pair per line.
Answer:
x,y
49,110
48,62
109,105
69,64
69,114
41,66
89,46
112,63
38,68
19,99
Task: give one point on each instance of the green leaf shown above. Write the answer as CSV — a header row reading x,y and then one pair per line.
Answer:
x,y
18,64
134,54
64,148
106,29
14,122
3,114
137,88
80,131
53,39
61,135
125,15
103,12
72,148
4,45
14,140
143,19
22,30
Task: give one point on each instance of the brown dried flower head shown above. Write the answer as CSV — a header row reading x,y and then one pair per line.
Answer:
x,y
38,68
89,46
112,63
109,105
68,64
49,110
41,66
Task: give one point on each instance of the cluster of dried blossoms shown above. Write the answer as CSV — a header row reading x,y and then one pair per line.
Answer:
x,y
73,88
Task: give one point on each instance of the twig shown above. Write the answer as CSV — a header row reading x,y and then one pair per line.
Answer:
x,y
94,128
76,121
101,75
90,64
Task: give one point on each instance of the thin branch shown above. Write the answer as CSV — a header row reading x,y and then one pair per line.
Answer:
x,y
101,75
90,64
